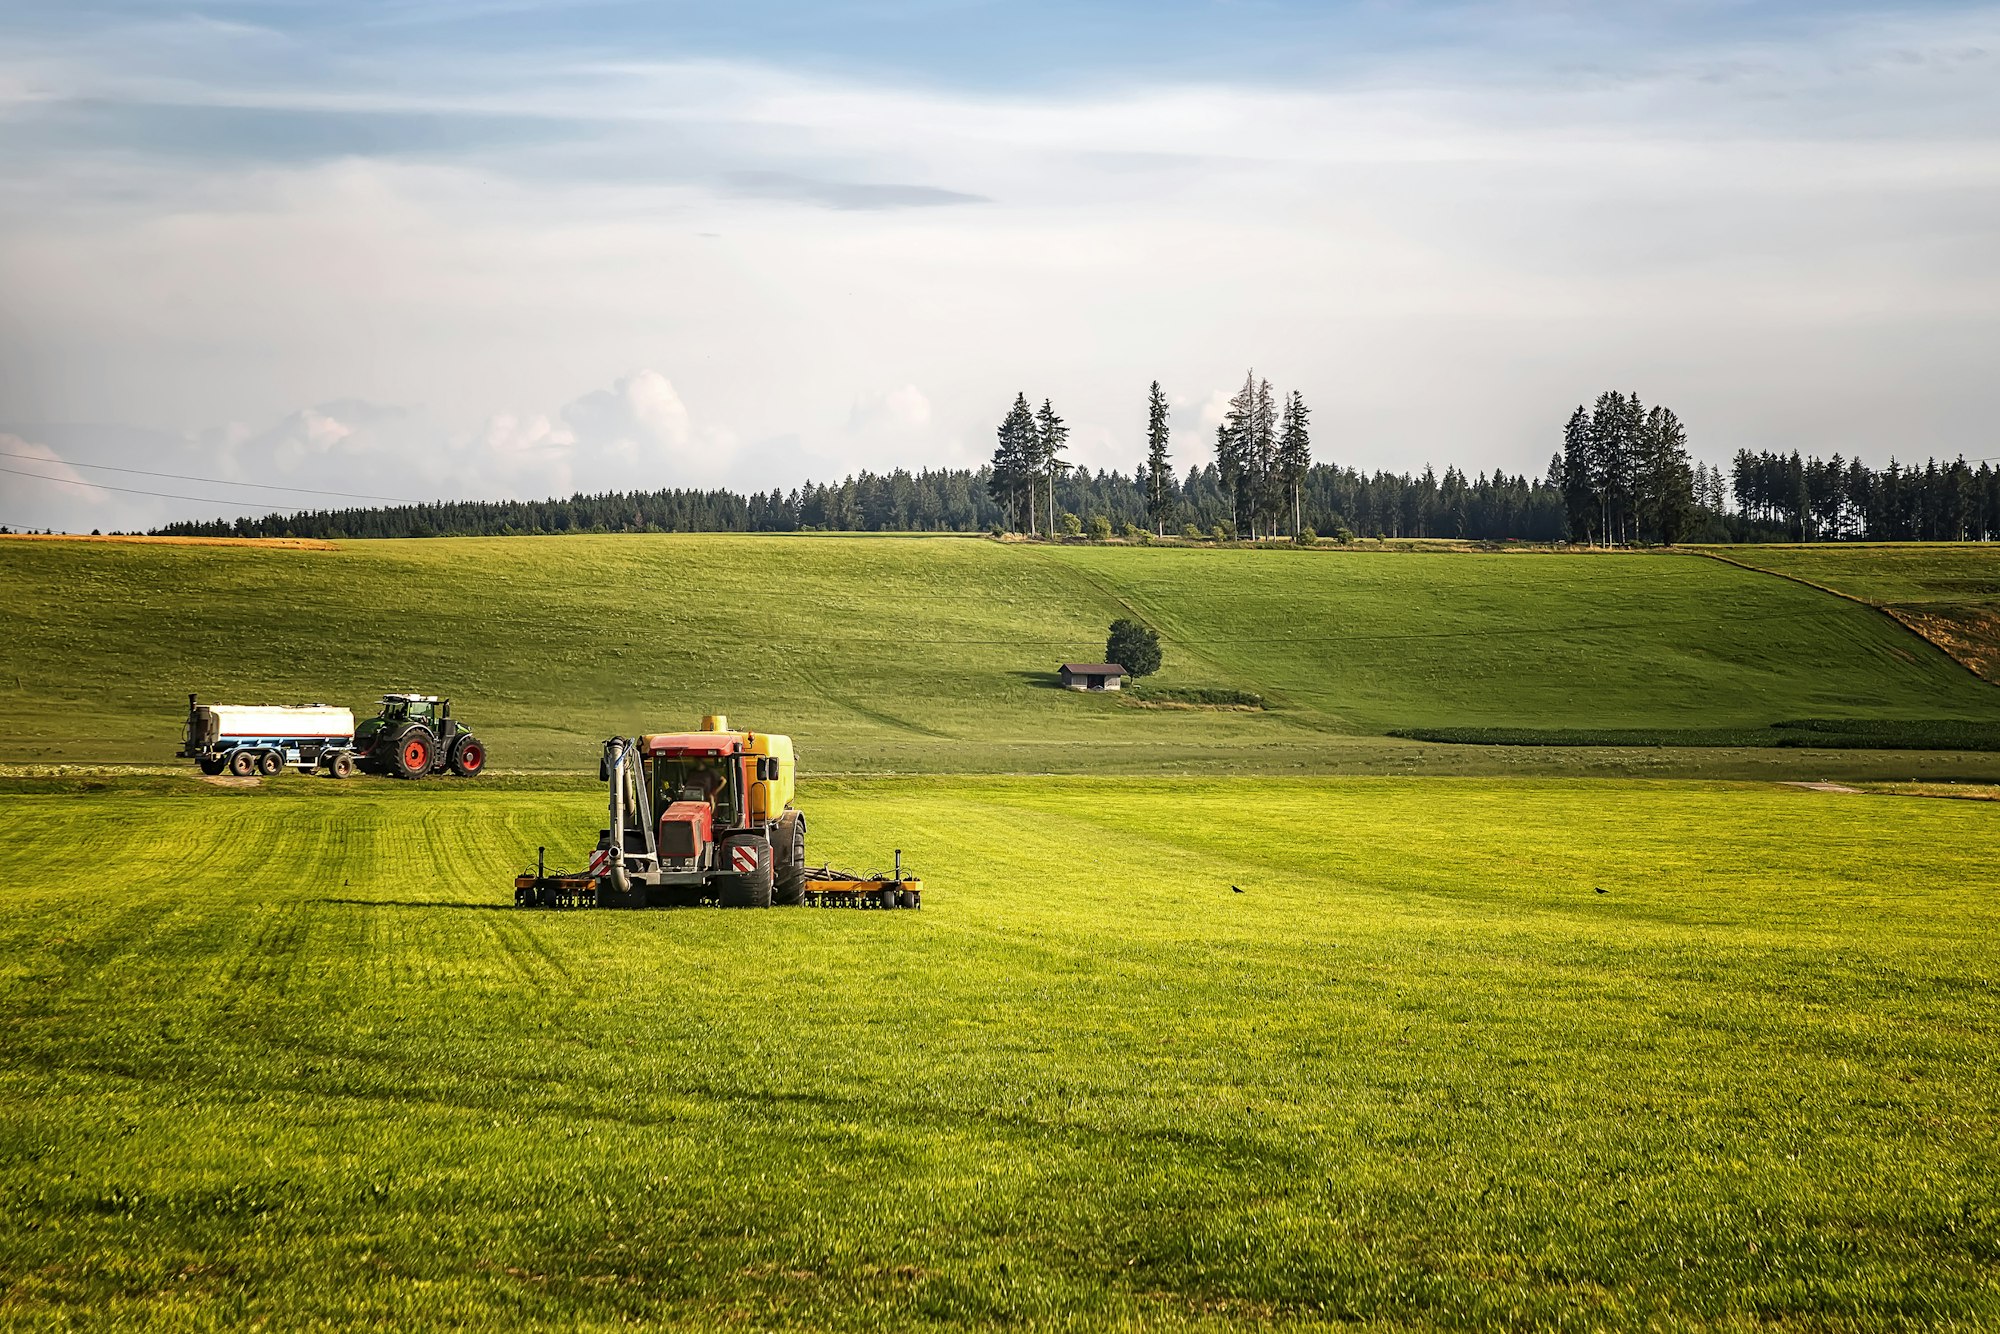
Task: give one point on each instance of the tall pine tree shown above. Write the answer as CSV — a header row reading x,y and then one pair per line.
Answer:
x,y
1159,477
1294,454
1051,438
1235,456
1579,477
1016,460
1264,458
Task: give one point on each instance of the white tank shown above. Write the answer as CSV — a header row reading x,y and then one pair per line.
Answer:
x,y
269,722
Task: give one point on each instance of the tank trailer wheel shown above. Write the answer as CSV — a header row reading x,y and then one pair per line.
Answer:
x,y
270,764
242,763
340,766
788,853
412,755
213,767
750,888
468,757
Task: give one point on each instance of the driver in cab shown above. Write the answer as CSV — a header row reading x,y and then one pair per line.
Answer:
x,y
705,781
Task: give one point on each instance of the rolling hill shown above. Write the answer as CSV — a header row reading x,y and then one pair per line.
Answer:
x,y
933,654
1947,592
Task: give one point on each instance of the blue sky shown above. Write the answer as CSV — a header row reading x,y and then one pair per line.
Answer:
x,y
506,247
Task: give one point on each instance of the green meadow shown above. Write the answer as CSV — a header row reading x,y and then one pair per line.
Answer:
x,y
1460,1054
1947,591
938,654
1212,1017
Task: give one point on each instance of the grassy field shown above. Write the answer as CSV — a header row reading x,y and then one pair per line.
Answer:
x,y
928,655
1461,1054
1947,592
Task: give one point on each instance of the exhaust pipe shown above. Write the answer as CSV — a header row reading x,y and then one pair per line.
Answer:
x,y
614,765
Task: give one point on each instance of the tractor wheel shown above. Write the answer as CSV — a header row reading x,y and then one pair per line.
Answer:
x,y
270,764
340,766
745,889
468,757
213,768
410,756
242,763
788,855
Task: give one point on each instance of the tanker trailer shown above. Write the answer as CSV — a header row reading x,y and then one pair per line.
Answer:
x,y
246,739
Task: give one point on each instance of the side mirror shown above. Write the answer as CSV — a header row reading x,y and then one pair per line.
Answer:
x,y
603,770
767,768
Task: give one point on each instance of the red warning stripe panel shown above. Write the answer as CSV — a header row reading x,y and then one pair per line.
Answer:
x,y
599,860
743,858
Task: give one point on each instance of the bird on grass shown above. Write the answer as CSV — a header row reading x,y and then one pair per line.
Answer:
x,y
1602,890
1234,890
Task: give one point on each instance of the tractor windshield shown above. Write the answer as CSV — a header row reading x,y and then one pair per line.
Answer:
x,y
696,778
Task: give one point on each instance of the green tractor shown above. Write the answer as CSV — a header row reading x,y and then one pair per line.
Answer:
x,y
415,735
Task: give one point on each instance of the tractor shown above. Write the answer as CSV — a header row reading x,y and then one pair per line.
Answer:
x,y
415,735
705,817
697,815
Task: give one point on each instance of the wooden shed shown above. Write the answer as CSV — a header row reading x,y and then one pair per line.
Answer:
x,y
1093,676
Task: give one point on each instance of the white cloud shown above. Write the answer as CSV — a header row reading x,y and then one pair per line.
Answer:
x,y
904,409
38,489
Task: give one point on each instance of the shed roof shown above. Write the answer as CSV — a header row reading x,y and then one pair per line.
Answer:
x,y
1093,669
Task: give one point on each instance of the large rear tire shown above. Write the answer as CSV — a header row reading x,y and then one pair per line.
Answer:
x,y
788,855
745,889
468,757
410,756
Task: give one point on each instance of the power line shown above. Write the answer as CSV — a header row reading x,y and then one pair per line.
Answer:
x,y
128,490
215,481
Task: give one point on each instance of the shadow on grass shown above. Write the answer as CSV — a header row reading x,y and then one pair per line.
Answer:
x,y
1045,680
415,903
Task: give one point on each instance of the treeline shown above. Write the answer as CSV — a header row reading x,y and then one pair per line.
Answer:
x,y
1815,501
1623,475
1331,499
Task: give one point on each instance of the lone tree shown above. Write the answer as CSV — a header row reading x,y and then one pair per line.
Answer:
x,y
1134,647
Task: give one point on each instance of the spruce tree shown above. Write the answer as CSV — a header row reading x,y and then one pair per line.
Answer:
x,y
1234,458
1294,454
1016,461
1159,475
1666,482
1051,438
1579,476
1264,458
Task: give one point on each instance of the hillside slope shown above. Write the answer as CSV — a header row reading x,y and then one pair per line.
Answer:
x,y
1947,592
912,653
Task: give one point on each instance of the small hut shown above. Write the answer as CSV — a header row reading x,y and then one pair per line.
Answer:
x,y
1093,676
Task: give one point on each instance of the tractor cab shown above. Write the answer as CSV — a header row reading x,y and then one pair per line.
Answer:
x,y
426,709
705,778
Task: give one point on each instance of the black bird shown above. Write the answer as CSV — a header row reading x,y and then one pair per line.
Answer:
x,y
1234,890
1602,890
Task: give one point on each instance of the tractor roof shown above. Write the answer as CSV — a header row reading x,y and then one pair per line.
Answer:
x,y
413,699
695,743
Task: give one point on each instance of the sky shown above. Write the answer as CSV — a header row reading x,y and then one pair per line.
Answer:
x,y
329,252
